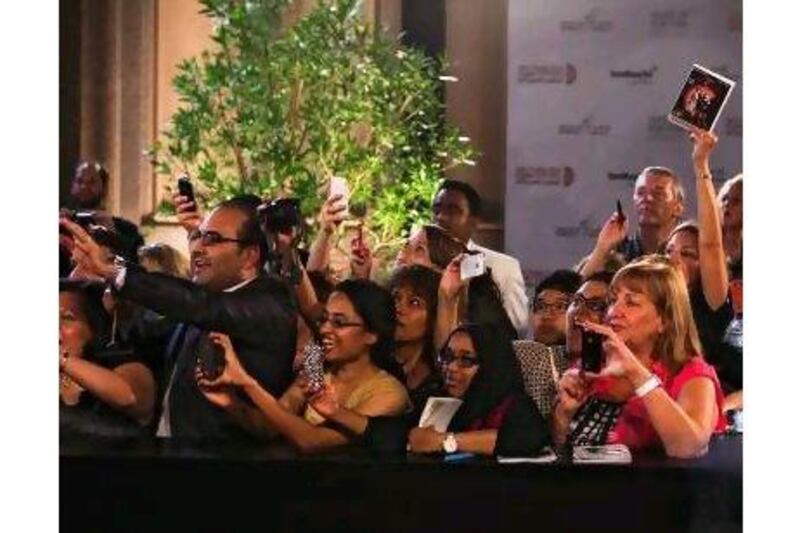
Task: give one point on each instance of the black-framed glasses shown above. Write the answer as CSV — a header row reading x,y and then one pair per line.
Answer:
x,y
338,322
540,306
462,361
211,238
596,305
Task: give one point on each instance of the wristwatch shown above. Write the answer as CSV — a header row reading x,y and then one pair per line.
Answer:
x,y
450,444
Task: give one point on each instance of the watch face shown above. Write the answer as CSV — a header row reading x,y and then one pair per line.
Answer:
x,y
450,444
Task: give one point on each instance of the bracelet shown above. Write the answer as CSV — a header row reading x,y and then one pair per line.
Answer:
x,y
648,386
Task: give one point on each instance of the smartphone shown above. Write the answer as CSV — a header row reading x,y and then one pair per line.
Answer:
x,y
473,265
591,351
313,366
620,214
85,219
339,186
210,359
186,189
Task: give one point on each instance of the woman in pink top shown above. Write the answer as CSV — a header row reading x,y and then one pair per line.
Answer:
x,y
654,389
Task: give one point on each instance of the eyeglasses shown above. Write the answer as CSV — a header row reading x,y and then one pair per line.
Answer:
x,y
210,238
596,305
447,356
541,306
338,322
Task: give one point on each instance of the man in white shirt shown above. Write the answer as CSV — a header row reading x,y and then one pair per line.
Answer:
x,y
456,208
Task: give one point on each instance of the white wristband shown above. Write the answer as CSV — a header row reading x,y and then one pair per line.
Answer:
x,y
645,388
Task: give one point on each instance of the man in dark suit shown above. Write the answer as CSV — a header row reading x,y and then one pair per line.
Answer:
x,y
228,293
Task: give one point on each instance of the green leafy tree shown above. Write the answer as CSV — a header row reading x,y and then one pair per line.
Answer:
x,y
276,110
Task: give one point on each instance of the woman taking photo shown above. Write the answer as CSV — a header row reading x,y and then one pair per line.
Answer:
x,y
357,331
497,417
101,392
654,388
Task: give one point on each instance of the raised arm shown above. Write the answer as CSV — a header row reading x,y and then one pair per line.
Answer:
x,y
612,233
451,287
330,216
713,271
128,388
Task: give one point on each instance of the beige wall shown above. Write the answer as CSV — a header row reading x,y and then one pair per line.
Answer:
x,y
476,49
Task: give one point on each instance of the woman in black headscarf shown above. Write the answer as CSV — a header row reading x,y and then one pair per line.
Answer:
x,y
496,417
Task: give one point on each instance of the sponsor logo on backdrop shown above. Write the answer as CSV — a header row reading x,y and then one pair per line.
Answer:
x,y
594,21
552,176
583,229
733,126
623,175
549,73
586,126
642,76
669,19
659,128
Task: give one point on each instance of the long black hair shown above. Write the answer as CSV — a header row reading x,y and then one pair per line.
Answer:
x,y
375,306
498,375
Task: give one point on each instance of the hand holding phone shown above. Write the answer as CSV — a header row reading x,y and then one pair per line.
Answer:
x,y
620,214
186,189
591,351
473,265
339,187
313,367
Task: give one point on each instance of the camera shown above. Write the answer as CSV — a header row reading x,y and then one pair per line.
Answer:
x,y
280,215
591,351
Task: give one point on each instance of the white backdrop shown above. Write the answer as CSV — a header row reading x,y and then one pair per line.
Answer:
x,y
589,85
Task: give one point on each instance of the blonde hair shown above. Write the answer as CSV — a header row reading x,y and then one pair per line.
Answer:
x,y
738,179
166,259
656,278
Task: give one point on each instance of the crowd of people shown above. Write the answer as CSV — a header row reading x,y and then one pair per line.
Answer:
x,y
216,350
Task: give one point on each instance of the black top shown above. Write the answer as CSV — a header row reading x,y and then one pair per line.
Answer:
x,y
710,324
261,320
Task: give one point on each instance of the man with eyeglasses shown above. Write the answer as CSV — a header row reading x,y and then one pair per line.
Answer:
x,y
659,201
228,293
548,316
541,365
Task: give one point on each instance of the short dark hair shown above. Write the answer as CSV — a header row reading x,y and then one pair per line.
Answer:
x,y
249,231
469,192
99,169
601,276
90,295
566,281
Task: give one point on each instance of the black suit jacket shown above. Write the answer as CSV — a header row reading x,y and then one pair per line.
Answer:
x,y
261,320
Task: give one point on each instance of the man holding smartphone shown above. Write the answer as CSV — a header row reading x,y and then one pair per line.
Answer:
x,y
456,208
228,293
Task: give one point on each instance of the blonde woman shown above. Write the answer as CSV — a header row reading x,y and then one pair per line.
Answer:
x,y
655,389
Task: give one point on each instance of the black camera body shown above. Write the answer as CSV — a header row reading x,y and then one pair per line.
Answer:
x,y
186,189
591,351
282,216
